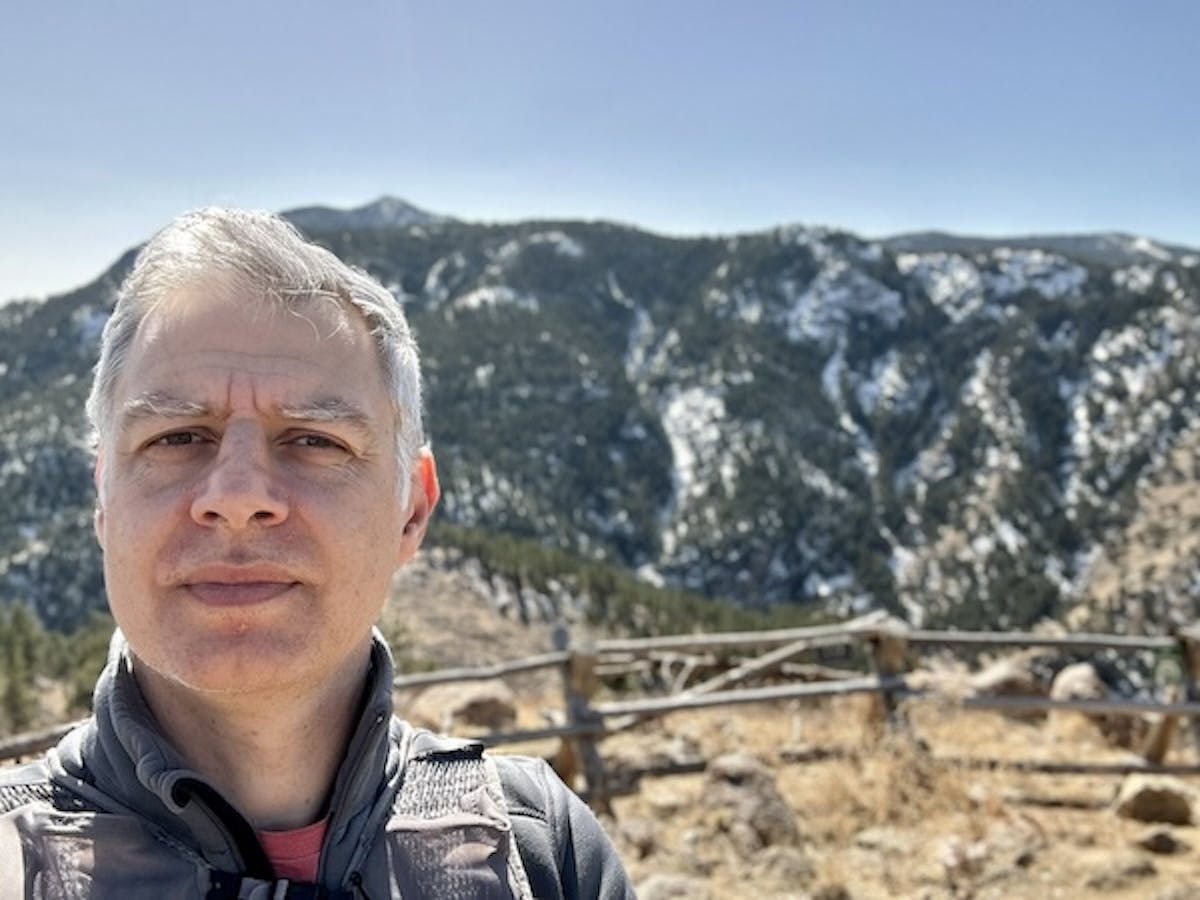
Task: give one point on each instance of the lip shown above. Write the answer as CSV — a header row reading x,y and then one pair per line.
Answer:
x,y
232,586
242,593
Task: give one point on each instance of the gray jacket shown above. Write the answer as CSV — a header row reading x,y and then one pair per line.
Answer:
x,y
113,811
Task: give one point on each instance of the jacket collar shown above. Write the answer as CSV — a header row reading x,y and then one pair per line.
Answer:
x,y
120,760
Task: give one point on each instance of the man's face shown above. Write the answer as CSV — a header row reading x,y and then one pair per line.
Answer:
x,y
249,512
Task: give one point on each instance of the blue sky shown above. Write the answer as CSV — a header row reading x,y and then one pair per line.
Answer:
x,y
682,117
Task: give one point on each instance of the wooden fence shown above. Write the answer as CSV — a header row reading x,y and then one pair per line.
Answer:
x,y
674,663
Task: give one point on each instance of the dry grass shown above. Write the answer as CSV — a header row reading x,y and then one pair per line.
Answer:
x,y
885,818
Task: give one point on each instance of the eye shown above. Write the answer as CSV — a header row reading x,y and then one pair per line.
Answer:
x,y
310,441
177,439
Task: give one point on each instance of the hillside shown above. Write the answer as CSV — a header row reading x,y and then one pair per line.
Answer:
x,y
807,800
825,806
885,820
953,429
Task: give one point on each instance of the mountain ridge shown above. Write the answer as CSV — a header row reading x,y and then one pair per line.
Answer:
x,y
384,212
792,416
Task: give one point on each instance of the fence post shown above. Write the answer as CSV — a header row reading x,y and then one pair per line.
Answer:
x,y
1189,649
888,643
579,752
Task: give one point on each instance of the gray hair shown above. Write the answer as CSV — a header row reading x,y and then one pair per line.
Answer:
x,y
261,255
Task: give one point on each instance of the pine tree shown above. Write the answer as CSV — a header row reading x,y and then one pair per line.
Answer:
x,y
21,639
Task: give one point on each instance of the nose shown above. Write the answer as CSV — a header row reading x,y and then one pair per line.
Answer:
x,y
239,489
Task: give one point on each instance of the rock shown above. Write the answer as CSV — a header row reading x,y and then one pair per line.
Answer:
x,y
479,704
963,858
673,887
650,753
1081,681
1155,798
1121,874
665,805
640,835
1078,682
1010,676
1162,841
831,892
699,853
741,793
789,865
885,840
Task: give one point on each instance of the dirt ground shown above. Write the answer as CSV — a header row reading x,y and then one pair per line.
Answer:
x,y
863,815
886,819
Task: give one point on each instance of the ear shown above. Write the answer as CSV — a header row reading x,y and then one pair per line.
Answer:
x,y
423,497
98,481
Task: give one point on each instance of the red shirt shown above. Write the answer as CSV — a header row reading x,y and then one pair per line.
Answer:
x,y
294,854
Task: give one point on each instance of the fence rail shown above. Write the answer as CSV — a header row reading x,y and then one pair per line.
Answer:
x,y
675,659
1050,642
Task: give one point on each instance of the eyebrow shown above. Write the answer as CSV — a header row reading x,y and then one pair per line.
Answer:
x,y
332,409
160,405
165,405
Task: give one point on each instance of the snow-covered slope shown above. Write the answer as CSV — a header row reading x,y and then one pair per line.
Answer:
x,y
948,427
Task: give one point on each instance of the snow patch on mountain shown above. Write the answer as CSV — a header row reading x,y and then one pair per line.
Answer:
x,y
1123,408
889,387
692,419
495,295
1136,279
559,241
615,291
1146,246
742,303
988,391
818,310
1048,274
444,276
952,283
639,346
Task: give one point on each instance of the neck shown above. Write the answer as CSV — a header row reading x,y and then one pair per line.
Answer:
x,y
273,757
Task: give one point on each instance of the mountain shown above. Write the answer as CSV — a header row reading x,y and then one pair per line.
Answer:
x,y
1105,249
386,212
956,429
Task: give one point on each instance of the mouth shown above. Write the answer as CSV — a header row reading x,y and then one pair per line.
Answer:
x,y
231,586
239,593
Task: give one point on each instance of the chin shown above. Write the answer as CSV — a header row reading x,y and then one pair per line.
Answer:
x,y
237,666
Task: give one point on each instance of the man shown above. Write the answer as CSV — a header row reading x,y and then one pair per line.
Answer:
x,y
260,474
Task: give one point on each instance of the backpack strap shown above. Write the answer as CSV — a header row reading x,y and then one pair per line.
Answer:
x,y
440,774
517,877
32,784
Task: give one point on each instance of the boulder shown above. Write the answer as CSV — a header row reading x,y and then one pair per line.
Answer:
x,y
654,753
1121,873
1162,841
639,835
740,792
1078,681
790,866
472,704
887,841
1155,798
1081,681
672,887
1009,676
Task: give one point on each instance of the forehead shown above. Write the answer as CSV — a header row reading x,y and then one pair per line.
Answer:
x,y
210,339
